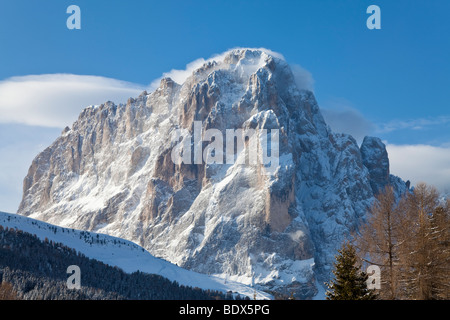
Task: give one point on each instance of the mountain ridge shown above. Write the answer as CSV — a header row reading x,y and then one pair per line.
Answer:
x,y
113,172
121,253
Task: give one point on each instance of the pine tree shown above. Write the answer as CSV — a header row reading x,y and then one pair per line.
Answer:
x,y
350,282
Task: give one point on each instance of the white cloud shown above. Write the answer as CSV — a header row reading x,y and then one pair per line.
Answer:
x,y
345,119
303,78
180,75
55,100
421,163
18,147
413,124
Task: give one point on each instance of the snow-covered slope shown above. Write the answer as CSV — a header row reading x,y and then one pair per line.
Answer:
x,y
113,172
124,254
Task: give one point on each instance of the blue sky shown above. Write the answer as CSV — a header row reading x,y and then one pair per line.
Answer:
x,y
392,83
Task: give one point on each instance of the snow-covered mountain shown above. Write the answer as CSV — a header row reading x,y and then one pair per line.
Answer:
x,y
278,226
124,254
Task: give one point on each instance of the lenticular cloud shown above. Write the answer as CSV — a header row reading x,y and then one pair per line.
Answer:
x,y
55,100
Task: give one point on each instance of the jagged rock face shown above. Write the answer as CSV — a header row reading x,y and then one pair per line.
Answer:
x,y
375,158
114,172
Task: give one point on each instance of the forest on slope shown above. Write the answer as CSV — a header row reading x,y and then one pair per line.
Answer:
x,y
37,270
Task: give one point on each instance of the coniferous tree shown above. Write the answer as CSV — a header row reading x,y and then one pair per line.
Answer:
x,y
424,253
409,239
350,282
440,247
378,240
37,270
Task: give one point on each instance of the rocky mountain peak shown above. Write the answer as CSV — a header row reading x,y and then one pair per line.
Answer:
x,y
275,224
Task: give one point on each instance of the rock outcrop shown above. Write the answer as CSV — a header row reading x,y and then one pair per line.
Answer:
x,y
274,224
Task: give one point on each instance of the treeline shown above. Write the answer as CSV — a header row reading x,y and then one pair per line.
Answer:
x,y
38,270
25,285
409,240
